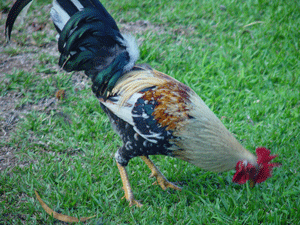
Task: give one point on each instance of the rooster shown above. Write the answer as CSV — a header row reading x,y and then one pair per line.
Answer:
x,y
153,113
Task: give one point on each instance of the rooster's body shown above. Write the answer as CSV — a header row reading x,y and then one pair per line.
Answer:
x,y
155,114
152,112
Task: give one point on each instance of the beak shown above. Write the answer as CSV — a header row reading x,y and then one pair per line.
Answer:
x,y
252,182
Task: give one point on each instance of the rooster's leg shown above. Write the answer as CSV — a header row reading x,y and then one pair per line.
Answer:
x,y
127,188
161,180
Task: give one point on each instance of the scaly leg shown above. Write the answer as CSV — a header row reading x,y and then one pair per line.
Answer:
x,y
161,180
127,188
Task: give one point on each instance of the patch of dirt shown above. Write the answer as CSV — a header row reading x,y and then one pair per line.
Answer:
x,y
15,57
8,159
26,59
10,115
141,26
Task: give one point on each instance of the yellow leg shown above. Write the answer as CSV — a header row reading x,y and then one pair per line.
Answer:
x,y
127,188
161,180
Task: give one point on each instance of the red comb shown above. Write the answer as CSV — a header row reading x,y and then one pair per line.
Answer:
x,y
241,176
263,155
263,161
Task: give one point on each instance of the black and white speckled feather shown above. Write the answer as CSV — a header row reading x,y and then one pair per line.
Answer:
x,y
140,132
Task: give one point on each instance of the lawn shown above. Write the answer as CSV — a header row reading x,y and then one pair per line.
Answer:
x,y
241,57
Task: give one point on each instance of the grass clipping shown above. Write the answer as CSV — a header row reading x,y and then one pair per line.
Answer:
x,y
58,216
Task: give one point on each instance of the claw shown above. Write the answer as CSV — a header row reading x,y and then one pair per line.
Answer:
x,y
160,178
135,202
164,183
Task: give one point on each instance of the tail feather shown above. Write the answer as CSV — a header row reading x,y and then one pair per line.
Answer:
x,y
62,10
60,16
91,22
100,8
89,40
13,14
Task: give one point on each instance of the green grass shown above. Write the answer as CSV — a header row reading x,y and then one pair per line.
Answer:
x,y
248,75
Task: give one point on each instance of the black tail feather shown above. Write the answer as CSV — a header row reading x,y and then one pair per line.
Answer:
x,y
71,7
13,14
68,6
88,42
89,18
100,8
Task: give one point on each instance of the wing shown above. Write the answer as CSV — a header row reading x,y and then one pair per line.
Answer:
x,y
154,112
138,113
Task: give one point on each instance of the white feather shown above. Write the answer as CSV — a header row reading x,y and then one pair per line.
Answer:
x,y
133,50
152,137
58,15
125,111
78,5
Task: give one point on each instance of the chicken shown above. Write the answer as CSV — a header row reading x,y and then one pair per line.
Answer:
x,y
153,113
